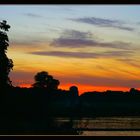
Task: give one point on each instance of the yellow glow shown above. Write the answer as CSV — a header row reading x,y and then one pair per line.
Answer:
x,y
59,66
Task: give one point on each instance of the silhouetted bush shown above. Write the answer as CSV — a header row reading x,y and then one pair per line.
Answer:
x,y
5,64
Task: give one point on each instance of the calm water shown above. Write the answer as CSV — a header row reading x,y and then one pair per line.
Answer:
x,y
111,133
106,126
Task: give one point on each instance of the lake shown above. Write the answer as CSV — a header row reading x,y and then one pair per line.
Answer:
x,y
105,126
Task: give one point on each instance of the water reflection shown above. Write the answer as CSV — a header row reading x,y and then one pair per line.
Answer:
x,y
111,133
103,125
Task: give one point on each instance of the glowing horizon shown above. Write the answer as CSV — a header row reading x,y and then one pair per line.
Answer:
x,y
93,47
85,88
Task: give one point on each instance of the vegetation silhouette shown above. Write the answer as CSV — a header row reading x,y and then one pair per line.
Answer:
x,y
37,110
5,64
43,80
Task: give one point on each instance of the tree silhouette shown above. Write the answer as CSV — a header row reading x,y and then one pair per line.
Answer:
x,y
43,80
74,91
52,83
6,64
134,91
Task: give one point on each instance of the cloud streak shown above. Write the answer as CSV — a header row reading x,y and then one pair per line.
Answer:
x,y
74,39
102,22
130,61
28,40
83,54
31,42
32,15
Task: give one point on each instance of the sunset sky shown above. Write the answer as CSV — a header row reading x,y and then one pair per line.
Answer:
x,y
95,47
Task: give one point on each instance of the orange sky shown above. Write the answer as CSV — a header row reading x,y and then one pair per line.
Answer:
x,y
93,47
86,88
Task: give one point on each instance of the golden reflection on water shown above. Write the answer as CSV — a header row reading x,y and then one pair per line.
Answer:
x,y
111,133
130,125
